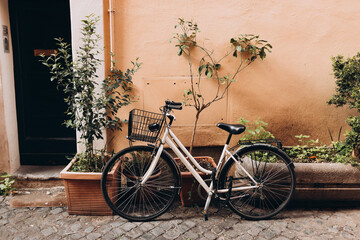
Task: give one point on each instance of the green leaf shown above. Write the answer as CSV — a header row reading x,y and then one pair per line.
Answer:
x,y
239,48
210,73
251,132
179,52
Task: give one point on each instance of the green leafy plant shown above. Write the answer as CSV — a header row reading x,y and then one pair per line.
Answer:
x,y
309,150
6,183
245,49
255,130
90,110
347,75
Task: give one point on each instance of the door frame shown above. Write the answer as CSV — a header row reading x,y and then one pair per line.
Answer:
x,y
79,9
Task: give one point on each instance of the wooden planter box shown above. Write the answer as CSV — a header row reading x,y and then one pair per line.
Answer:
x,y
189,191
83,192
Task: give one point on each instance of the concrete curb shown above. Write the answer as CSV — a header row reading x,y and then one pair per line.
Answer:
x,y
327,182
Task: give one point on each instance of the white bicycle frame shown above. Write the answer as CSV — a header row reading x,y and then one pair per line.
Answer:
x,y
170,139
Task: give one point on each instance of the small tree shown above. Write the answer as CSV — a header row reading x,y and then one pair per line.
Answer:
x,y
347,75
90,110
246,48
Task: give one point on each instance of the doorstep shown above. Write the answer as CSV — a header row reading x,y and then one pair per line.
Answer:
x,y
38,186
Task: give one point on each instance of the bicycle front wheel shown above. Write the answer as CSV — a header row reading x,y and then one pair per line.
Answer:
x,y
125,195
271,169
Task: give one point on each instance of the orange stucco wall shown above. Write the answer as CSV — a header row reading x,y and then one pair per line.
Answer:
x,y
288,90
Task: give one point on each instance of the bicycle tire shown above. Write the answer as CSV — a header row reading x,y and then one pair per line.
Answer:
x,y
120,184
268,165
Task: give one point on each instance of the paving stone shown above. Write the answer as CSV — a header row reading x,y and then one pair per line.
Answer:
x,y
254,231
93,236
281,238
157,231
3,222
267,234
89,229
57,211
231,233
118,231
134,233
182,228
171,234
116,224
146,226
191,235
333,229
189,223
76,227
76,236
166,226
111,236
147,236
346,235
181,223
210,235
128,226
48,231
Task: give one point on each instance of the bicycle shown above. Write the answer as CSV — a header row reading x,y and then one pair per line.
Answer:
x,y
140,183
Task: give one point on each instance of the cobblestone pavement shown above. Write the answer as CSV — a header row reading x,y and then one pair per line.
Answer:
x,y
178,223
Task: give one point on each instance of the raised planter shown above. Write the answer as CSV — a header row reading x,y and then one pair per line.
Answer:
x,y
83,192
327,181
189,191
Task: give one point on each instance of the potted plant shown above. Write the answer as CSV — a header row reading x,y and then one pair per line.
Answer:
x,y
91,109
346,72
191,193
246,48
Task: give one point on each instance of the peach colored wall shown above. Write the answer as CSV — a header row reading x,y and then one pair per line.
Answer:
x,y
289,89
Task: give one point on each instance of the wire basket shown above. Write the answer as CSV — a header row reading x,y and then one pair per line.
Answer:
x,y
145,126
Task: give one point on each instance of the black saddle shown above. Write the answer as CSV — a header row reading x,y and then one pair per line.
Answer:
x,y
232,128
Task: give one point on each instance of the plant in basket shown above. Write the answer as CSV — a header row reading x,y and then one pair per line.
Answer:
x,y
91,108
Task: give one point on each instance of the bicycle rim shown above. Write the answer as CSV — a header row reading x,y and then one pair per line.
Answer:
x,y
268,166
127,197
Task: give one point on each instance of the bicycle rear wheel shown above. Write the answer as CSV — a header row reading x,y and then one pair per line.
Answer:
x,y
125,195
270,167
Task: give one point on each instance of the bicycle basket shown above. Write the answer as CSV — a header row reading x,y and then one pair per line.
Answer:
x,y
140,123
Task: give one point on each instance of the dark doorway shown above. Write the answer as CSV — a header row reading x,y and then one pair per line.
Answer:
x,y
43,138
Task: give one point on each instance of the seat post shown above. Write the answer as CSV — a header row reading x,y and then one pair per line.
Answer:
x,y
229,137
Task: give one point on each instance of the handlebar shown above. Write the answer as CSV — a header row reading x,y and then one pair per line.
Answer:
x,y
173,105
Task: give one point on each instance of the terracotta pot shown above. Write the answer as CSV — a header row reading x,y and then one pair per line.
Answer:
x,y
83,192
189,190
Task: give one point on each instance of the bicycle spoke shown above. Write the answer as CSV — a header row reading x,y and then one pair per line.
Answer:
x,y
274,178
130,198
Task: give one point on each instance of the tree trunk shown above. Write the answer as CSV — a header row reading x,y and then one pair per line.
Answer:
x,y
194,131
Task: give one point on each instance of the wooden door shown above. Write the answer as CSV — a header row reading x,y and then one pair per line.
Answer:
x,y
43,138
